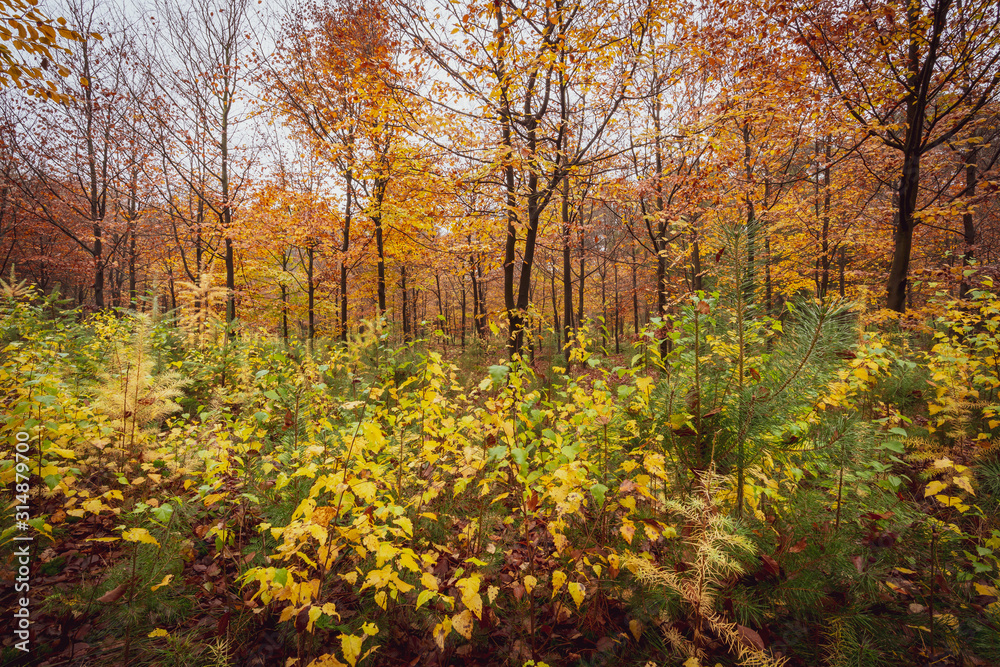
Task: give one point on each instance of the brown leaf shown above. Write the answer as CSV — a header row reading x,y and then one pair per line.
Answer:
x,y
114,594
532,503
750,637
704,308
302,619
770,565
798,546
859,563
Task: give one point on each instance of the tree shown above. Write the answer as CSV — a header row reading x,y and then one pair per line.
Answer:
x,y
36,36
534,74
70,156
913,74
335,76
205,56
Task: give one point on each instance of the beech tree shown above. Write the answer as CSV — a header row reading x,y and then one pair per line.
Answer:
x,y
333,77
201,63
913,74
69,157
533,74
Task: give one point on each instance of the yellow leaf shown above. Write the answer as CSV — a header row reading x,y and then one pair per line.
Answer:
x,y
429,581
491,593
139,535
861,374
314,614
982,589
407,561
213,498
963,483
158,632
351,646
441,631
327,660
635,627
952,501
558,579
529,583
462,623
628,530
469,587
692,662
166,580
935,487
405,524
364,490
576,591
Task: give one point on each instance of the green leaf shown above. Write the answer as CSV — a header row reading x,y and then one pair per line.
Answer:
x,y
570,452
520,455
499,374
898,431
894,446
598,491
163,512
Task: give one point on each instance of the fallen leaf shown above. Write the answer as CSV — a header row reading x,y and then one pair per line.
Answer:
x,y
750,637
114,594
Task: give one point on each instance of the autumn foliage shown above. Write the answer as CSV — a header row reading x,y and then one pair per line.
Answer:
x,y
464,332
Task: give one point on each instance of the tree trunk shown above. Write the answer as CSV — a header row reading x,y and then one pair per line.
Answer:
x,y
968,219
407,334
345,246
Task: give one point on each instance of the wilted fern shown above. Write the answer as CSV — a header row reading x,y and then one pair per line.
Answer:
x,y
14,290
712,543
129,394
199,308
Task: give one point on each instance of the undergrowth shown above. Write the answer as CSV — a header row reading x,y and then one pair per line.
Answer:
x,y
746,490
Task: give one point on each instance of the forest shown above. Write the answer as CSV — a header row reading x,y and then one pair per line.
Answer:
x,y
500,332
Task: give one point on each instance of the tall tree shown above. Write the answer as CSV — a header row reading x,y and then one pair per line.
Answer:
x,y
913,73
200,67
533,73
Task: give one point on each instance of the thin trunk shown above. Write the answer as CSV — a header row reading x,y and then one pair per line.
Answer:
x,y
463,315
635,294
345,246
567,271
617,315
407,334
968,219
311,277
